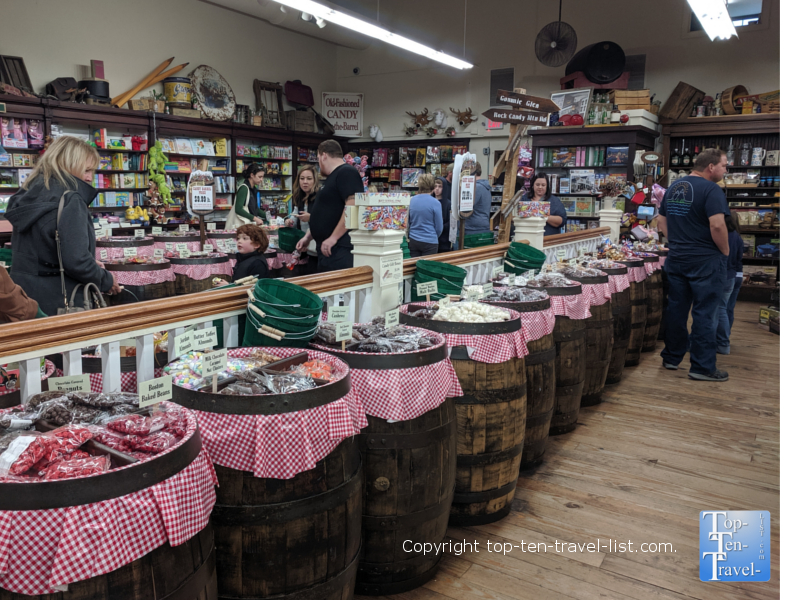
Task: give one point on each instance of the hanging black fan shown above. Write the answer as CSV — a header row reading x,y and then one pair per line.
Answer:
x,y
556,42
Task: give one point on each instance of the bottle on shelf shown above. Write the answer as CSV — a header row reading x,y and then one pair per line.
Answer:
x,y
731,152
615,114
696,154
686,157
591,116
744,158
675,159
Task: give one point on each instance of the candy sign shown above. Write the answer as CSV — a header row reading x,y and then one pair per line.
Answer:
x,y
345,112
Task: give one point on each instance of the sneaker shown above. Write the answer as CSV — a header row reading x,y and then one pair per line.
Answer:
x,y
666,365
723,349
715,376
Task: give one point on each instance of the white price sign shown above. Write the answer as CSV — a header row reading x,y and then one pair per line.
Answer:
x,y
169,246
202,198
561,255
158,254
183,254
211,226
337,314
70,383
392,318
497,270
208,248
488,288
103,254
181,246
427,288
156,230
467,196
344,331
215,362
183,227
139,233
155,390
203,339
129,252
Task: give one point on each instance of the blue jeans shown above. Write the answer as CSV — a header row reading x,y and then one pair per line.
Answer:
x,y
732,301
723,326
696,286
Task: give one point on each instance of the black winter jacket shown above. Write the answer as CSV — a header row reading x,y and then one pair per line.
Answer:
x,y
32,213
252,263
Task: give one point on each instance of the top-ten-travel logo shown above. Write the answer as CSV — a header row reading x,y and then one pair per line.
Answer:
x,y
734,545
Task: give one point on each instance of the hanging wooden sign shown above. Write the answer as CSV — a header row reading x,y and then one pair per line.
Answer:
x,y
516,117
524,101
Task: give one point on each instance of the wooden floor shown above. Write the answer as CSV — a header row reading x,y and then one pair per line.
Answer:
x,y
640,467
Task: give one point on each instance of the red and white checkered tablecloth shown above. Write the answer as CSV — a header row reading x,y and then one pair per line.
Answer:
x,y
651,267
281,446
144,277
488,349
637,274
596,293
405,394
42,549
536,324
114,253
49,369
574,307
661,261
200,272
128,381
191,246
214,241
618,283
282,259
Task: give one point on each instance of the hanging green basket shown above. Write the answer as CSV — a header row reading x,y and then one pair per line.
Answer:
x,y
288,238
477,240
526,252
286,298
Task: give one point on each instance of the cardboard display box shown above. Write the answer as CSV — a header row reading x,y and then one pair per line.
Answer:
x,y
768,315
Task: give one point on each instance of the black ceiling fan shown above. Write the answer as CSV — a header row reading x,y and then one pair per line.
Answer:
x,y
556,42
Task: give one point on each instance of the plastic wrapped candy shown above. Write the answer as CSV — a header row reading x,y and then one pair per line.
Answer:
x,y
101,400
136,425
155,442
81,467
316,369
326,334
111,439
551,280
284,384
26,451
516,294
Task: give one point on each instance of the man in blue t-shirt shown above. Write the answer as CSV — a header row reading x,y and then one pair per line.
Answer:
x,y
692,216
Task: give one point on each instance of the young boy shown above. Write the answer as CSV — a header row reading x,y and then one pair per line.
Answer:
x,y
251,243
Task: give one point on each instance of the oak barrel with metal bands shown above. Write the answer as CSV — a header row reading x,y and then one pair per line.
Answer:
x,y
599,342
655,306
491,424
638,316
621,316
409,480
292,539
184,572
569,336
141,293
186,285
540,376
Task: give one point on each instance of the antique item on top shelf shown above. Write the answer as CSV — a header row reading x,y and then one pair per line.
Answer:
x,y
465,117
214,94
420,120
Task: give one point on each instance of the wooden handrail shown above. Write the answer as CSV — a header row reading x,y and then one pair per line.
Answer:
x,y
49,333
575,236
460,257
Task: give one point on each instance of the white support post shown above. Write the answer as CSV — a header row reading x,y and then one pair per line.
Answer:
x,y
611,217
230,332
145,369
30,378
110,365
73,362
530,229
369,247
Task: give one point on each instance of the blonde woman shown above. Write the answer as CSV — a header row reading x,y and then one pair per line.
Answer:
x,y
66,169
424,219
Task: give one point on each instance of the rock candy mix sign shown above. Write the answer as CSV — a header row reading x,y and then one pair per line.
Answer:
x,y
345,112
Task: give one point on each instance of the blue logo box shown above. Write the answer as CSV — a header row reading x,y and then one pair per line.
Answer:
x,y
734,545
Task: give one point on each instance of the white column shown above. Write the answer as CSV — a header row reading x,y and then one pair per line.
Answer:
x,y
369,247
611,217
531,229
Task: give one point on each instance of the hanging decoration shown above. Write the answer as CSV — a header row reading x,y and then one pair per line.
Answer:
x,y
465,117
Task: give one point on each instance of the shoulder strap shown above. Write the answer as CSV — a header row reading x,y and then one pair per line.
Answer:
x,y
58,252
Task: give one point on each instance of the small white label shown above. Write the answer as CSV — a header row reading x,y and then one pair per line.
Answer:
x,y
344,331
129,252
215,362
158,254
139,233
70,383
183,227
573,262
156,230
183,254
211,226
208,248
184,343
487,289
273,241
337,314
427,288
205,339
202,198
103,254
474,294
182,246
561,254
497,270
444,301
392,318
391,270
102,223
273,222
169,246
155,390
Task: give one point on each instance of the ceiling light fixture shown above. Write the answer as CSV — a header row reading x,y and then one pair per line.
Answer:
x,y
321,23
305,16
283,10
713,16
338,17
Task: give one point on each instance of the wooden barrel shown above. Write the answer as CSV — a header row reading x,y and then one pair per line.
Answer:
x,y
599,343
491,425
115,247
186,572
140,293
186,285
655,305
409,479
540,377
638,316
569,336
621,316
297,538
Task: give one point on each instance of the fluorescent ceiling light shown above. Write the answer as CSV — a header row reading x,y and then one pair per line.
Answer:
x,y
713,16
321,23
379,33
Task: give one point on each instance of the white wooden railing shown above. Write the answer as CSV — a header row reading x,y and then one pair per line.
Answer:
x,y
27,342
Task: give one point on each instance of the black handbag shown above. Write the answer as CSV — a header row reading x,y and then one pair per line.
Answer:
x,y
90,291
63,88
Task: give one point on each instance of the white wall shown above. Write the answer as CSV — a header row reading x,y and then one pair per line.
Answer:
x,y
132,37
502,34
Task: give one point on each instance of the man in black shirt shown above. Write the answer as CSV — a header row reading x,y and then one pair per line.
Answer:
x,y
326,225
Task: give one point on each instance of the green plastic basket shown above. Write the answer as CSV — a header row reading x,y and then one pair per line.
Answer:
x,y
449,278
286,298
5,256
526,252
476,240
512,266
299,330
436,269
288,238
